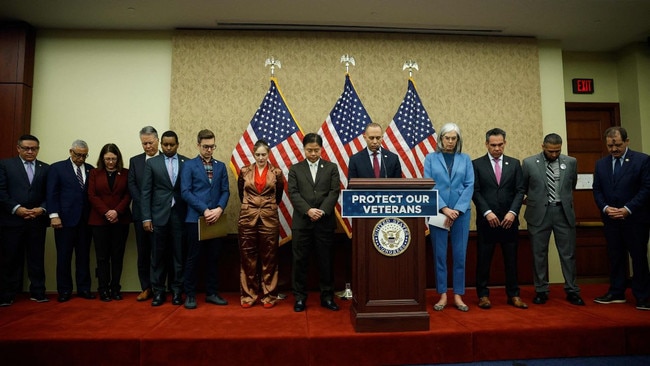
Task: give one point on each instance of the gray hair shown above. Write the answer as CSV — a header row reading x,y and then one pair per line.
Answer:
x,y
149,130
80,144
449,127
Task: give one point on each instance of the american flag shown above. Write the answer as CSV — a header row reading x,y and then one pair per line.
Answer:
x,y
274,123
342,134
410,134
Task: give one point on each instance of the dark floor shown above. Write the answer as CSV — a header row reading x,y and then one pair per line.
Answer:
x,y
578,361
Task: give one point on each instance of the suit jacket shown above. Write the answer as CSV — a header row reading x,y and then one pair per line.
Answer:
x,y
158,191
305,193
136,173
360,165
198,192
102,198
454,191
263,205
534,171
65,196
501,198
630,189
15,190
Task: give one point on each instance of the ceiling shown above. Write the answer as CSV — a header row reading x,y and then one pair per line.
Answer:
x,y
580,25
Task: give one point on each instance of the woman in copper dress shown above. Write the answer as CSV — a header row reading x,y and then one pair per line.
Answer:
x,y
260,191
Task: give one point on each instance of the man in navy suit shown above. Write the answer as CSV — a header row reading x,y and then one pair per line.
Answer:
x,y
314,187
143,239
373,161
163,214
498,195
23,222
205,189
622,193
67,203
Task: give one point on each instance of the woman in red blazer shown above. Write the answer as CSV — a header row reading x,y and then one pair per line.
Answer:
x,y
109,219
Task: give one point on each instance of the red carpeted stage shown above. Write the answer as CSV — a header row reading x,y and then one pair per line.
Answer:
x,y
83,332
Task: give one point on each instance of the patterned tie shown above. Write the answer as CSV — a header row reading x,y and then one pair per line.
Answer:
x,y
375,164
617,166
497,170
550,182
30,171
80,177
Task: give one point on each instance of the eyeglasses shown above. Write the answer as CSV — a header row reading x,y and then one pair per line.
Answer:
x,y
77,155
29,148
208,147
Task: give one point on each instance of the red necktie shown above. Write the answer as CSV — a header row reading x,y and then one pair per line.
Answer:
x,y
375,164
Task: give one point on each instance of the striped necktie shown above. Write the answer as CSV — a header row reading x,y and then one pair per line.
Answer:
x,y
550,183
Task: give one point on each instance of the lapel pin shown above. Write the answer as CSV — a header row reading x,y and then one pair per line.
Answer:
x,y
562,166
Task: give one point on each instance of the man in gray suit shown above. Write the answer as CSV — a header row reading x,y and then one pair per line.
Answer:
x,y
314,186
163,214
498,194
549,180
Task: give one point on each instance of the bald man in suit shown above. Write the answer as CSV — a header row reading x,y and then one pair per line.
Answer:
x,y
374,161
549,179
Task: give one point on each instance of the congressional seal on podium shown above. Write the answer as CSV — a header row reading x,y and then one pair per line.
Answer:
x,y
391,236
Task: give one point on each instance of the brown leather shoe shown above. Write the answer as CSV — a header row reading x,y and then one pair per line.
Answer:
x,y
145,295
484,303
517,302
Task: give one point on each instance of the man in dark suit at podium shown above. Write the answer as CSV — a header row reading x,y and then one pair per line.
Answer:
x,y
373,161
498,195
314,187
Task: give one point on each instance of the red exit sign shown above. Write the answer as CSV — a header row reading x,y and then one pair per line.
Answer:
x,y
583,86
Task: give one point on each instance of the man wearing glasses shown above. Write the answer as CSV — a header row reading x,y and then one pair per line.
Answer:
x,y
67,202
23,222
204,187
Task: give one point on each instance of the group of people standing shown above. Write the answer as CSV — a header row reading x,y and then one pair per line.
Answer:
x,y
169,193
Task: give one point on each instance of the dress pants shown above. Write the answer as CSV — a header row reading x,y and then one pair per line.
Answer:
x,y
169,238
144,241
197,250
110,242
488,238
459,236
565,240
623,237
258,243
18,242
303,243
75,239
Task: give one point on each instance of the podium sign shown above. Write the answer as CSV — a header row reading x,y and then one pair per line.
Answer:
x,y
389,253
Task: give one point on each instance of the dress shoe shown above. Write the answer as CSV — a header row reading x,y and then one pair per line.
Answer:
x,y
6,301
216,299
268,305
158,299
177,298
484,303
116,295
517,302
329,304
105,296
145,295
190,302
86,295
462,307
246,305
39,298
63,297
610,299
540,298
643,304
575,299
299,306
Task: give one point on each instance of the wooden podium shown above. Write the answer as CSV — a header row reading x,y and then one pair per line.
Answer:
x,y
388,291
